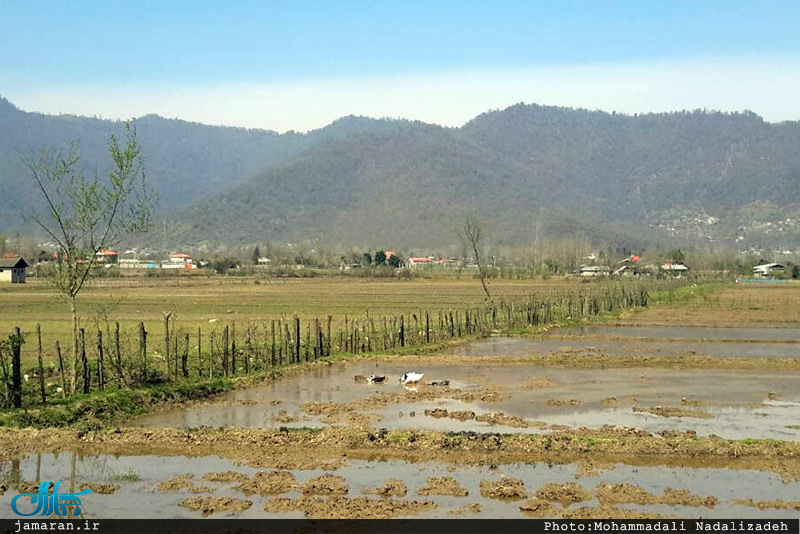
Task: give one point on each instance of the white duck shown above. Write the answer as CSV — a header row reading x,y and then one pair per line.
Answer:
x,y
411,378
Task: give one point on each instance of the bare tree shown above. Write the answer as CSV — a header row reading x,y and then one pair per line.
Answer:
x,y
84,215
471,234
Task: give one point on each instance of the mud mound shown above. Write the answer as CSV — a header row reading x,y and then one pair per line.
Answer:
x,y
471,508
268,483
611,402
100,488
297,460
439,413
485,395
610,512
591,468
349,508
390,487
182,482
501,419
538,508
562,402
283,417
565,494
326,484
492,418
666,411
538,382
443,486
380,400
624,493
766,505
176,483
225,476
685,497
511,489
209,505
28,487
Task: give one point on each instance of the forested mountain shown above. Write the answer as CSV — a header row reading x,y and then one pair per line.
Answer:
x,y
184,160
633,179
708,176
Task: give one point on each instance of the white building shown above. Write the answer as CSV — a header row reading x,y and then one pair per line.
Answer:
x,y
13,270
675,269
593,271
766,269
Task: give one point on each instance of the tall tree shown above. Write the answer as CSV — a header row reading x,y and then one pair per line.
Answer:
x,y
380,258
471,233
256,255
84,215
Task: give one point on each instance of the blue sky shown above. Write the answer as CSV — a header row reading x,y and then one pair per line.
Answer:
x,y
298,65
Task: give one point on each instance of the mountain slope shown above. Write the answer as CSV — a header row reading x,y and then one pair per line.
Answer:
x,y
587,172
687,176
185,161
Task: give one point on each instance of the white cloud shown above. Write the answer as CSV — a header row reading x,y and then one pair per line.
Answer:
x,y
767,87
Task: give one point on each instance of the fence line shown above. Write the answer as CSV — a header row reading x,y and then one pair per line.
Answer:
x,y
124,359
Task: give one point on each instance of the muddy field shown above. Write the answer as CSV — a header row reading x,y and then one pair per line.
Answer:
x,y
664,413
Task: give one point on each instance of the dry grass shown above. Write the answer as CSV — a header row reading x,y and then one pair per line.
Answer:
x,y
196,301
736,305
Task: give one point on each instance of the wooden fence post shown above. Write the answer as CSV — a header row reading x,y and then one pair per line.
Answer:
x,y
233,349
16,367
143,350
248,349
225,354
185,359
166,341
296,339
199,353
100,378
117,349
41,364
61,370
87,375
211,359
328,340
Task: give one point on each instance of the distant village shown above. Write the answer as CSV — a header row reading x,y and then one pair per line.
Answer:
x,y
14,269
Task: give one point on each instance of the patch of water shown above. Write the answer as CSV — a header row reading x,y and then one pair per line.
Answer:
x,y
571,396
783,333
140,499
504,347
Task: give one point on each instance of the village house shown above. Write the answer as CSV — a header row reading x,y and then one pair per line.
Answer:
x,y
178,260
593,271
628,267
106,256
765,270
674,269
428,261
13,270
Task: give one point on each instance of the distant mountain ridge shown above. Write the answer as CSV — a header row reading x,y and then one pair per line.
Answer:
x,y
623,178
689,176
184,160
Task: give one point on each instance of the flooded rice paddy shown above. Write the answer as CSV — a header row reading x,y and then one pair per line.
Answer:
x,y
489,386
494,396
145,487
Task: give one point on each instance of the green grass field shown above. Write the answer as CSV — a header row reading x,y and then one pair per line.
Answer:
x,y
197,301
